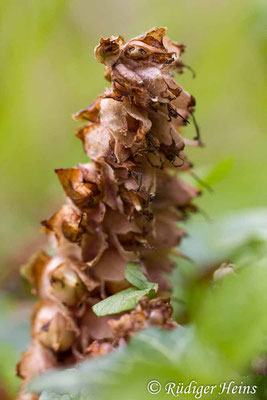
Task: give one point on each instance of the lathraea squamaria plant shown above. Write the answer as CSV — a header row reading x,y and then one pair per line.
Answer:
x,y
122,207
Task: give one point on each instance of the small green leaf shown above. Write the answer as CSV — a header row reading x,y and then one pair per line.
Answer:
x,y
129,298
135,276
119,302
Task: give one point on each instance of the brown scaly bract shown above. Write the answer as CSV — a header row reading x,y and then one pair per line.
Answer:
x,y
121,207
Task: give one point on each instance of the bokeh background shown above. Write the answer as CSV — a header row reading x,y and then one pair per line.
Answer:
x,y
48,72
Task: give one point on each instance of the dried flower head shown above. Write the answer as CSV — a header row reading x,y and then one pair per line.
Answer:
x,y
121,207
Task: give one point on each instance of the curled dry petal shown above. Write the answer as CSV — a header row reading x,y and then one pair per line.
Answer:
x,y
96,140
154,37
89,114
79,185
108,50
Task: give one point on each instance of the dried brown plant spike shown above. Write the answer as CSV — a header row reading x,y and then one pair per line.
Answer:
x,y
121,207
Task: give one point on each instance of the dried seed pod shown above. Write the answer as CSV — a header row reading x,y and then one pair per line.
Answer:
x,y
66,285
53,328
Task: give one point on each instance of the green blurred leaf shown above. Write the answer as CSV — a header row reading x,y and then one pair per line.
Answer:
x,y
14,336
93,375
233,316
55,396
152,354
150,347
219,172
216,241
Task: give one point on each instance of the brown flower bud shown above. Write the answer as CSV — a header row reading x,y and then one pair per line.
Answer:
x,y
66,285
52,327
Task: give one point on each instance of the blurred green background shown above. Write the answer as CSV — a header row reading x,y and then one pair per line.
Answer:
x,y
48,72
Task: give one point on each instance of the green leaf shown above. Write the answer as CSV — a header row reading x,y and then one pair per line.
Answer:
x,y
129,298
122,301
135,276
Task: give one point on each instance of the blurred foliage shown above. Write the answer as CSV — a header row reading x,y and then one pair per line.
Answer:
x,y
14,334
227,330
48,72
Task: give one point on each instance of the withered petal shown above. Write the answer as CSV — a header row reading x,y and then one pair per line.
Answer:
x,y
83,192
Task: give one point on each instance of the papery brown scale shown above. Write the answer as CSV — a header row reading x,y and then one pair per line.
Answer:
x,y
154,37
96,140
67,222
